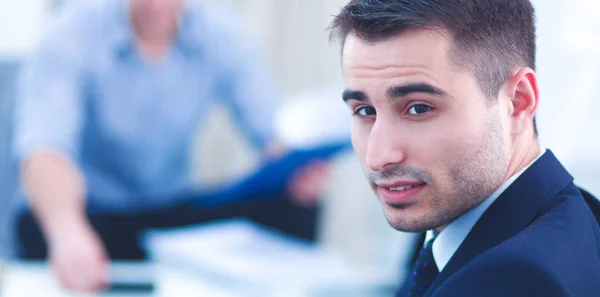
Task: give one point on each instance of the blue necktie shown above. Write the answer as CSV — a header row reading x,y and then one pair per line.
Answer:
x,y
422,275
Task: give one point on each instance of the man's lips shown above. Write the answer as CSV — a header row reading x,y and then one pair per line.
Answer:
x,y
400,192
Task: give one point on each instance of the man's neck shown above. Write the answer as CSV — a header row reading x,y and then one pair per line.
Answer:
x,y
153,50
522,155
149,33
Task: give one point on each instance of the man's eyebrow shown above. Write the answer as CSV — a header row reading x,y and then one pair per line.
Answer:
x,y
397,92
405,90
354,95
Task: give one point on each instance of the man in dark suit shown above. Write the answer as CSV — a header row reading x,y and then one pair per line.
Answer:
x,y
443,96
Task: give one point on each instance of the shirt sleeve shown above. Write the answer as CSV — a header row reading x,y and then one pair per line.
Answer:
x,y
48,107
247,83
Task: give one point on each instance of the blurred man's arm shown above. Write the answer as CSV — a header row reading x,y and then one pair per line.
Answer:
x,y
55,189
246,82
49,119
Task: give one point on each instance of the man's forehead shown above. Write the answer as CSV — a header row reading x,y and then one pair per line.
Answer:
x,y
405,47
413,56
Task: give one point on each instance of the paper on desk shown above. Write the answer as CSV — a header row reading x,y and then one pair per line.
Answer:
x,y
240,253
36,279
29,279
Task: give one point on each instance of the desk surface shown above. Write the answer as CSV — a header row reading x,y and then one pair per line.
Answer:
x,y
228,259
36,279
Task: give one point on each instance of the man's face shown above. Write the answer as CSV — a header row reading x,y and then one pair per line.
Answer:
x,y
430,143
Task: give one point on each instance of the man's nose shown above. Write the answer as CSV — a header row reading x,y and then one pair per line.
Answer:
x,y
385,146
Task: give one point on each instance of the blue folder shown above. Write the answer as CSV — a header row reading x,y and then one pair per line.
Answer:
x,y
270,179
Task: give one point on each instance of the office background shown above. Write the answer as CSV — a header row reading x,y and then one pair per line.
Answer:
x,y
293,35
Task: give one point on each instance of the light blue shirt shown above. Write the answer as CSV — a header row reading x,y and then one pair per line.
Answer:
x,y
128,123
450,239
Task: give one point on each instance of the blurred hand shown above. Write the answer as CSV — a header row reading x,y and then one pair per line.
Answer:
x,y
78,258
309,183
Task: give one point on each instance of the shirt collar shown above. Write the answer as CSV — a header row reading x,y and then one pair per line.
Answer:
x,y
121,33
449,240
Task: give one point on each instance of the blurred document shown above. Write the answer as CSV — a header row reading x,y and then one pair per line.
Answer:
x,y
255,261
270,179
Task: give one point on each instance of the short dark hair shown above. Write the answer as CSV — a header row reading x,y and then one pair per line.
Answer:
x,y
490,37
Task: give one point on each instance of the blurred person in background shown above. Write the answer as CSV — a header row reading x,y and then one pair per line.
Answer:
x,y
444,96
108,106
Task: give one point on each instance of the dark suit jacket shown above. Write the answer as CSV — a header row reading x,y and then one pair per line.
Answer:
x,y
541,237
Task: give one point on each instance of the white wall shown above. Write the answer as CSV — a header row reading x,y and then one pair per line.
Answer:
x,y
294,34
20,25
569,73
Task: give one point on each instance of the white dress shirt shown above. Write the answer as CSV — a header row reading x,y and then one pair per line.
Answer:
x,y
448,241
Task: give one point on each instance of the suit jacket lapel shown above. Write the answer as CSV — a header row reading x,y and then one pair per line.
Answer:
x,y
516,208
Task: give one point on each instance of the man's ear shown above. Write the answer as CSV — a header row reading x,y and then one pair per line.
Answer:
x,y
524,94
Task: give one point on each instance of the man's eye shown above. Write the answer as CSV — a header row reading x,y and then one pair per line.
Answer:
x,y
419,109
365,111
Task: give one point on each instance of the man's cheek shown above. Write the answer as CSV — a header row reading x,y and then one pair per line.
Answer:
x,y
360,140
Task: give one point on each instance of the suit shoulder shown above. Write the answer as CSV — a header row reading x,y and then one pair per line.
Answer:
x,y
558,254
505,274
565,226
564,237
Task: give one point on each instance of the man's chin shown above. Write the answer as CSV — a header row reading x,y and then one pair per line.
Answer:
x,y
406,220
